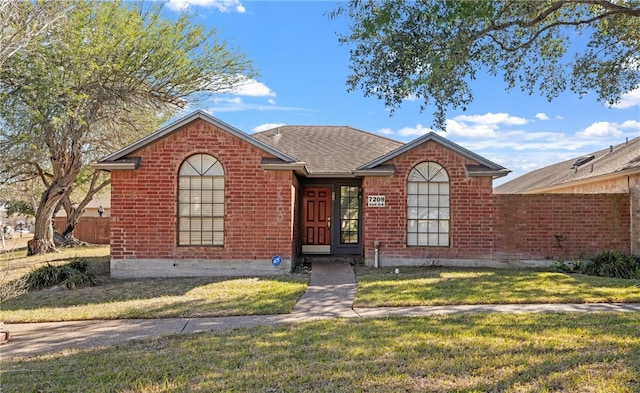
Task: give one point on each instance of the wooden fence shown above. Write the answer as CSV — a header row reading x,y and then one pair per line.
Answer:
x,y
94,230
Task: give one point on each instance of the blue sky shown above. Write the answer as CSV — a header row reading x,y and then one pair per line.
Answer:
x,y
302,81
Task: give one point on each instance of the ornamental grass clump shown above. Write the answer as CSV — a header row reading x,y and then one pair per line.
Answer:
x,y
71,275
614,264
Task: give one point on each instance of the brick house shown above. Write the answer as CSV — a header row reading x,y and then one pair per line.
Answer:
x,y
200,197
613,170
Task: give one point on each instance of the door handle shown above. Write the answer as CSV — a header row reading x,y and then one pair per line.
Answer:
x,y
329,222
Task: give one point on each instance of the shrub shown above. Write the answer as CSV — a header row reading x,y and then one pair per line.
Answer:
x,y
570,266
71,275
614,264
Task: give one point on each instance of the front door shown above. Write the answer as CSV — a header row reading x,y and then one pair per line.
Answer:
x,y
316,220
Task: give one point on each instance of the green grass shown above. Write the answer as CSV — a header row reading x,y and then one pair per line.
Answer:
x,y
454,353
14,262
419,286
141,298
159,298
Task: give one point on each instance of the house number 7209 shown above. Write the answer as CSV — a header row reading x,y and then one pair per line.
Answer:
x,y
375,201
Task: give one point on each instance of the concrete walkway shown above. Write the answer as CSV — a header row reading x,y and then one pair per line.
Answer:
x,y
330,294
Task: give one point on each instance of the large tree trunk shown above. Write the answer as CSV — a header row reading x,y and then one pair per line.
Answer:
x,y
66,237
42,241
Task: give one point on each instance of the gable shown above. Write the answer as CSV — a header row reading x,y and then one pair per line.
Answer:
x,y
123,159
481,166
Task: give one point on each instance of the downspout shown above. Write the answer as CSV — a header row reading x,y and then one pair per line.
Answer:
x,y
376,254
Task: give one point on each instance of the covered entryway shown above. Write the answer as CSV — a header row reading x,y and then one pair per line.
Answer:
x,y
330,220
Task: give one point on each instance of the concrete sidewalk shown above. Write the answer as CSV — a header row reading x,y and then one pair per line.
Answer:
x,y
330,294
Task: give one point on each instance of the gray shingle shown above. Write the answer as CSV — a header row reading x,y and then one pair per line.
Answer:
x,y
337,150
623,157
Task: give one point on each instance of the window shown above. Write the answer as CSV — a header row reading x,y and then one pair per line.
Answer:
x,y
201,202
349,214
428,206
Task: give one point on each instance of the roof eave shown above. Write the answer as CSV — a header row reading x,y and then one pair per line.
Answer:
x,y
126,164
493,174
332,175
374,172
299,167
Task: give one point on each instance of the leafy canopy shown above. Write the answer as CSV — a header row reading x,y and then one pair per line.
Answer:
x,y
97,80
433,49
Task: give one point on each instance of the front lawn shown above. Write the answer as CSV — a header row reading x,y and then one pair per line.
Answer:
x,y
141,298
419,286
159,298
453,353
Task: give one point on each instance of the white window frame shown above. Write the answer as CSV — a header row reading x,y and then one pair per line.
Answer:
x,y
201,201
428,206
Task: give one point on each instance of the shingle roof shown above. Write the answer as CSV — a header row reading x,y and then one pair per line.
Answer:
x,y
620,159
328,149
317,151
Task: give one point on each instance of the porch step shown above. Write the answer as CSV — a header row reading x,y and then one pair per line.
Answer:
x,y
309,260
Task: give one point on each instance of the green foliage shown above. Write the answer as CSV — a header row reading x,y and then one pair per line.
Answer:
x,y
18,207
71,275
433,49
94,82
570,266
614,264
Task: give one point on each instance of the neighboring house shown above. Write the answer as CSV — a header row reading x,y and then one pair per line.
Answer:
x,y
93,207
614,170
200,197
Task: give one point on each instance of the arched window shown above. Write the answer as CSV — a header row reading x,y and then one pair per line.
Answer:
x,y
201,202
428,206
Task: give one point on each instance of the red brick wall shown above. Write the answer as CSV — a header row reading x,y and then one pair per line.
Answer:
x,y
551,226
471,203
487,226
258,203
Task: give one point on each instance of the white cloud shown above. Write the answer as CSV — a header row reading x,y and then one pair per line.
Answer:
x,y
414,131
267,126
234,100
458,128
600,129
253,88
631,124
385,131
629,99
271,101
221,5
493,119
542,116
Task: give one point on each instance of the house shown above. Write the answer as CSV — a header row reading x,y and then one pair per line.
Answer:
x,y
614,170
200,197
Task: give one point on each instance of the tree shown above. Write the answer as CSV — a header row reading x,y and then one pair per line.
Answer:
x,y
23,21
433,49
94,75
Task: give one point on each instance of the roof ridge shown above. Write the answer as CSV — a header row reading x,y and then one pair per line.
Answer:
x,y
332,126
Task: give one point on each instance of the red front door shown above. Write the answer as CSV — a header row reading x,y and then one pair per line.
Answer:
x,y
316,220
